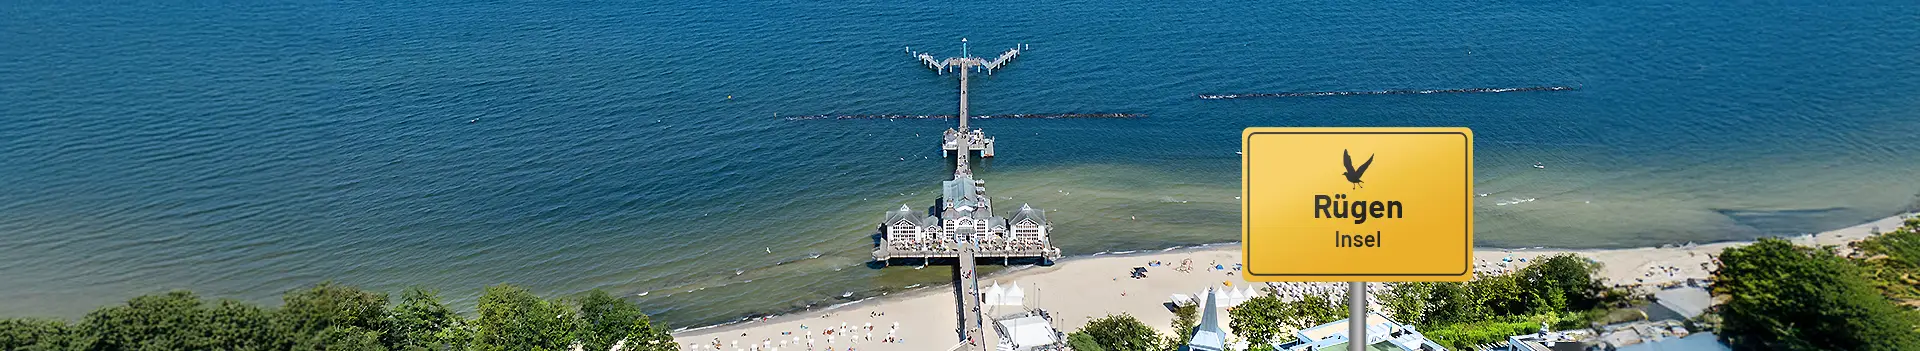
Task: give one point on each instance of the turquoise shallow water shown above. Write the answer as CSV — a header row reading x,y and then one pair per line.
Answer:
x,y
244,149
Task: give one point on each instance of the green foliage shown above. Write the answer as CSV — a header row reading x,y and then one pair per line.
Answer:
x,y
1407,302
235,325
1450,303
422,322
36,335
340,318
170,321
1121,333
1316,310
1786,297
1261,319
1079,341
1892,260
308,312
1564,281
1463,336
511,318
606,320
1501,295
1185,318
341,338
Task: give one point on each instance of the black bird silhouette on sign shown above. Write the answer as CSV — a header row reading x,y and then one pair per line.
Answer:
x,y
1353,174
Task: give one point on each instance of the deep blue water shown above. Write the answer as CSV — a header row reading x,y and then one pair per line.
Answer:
x,y
242,149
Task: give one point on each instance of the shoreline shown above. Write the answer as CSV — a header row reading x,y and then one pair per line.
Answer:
x,y
925,312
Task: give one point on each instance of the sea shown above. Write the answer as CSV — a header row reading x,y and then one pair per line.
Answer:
x,y
243,149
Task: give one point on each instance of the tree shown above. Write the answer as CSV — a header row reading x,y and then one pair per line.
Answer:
x,y
1569,276
170,321
1083,342
1407,302
422,322
1121,333
1316,310
511,318
1893,259
237,326
1185,318
37,335
1500,294
1262,318
1784,297
607,320
308,312
1450,303
341,338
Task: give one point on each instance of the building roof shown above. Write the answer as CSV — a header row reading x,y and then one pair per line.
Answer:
x,y
1207,336
1039,216
904,213
1688,302
1028,332
1389,334
1697,341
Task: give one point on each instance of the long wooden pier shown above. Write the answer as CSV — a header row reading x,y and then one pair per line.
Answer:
x,y
950,142
962,225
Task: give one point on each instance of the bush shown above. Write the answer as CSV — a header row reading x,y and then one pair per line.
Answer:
x,y
1121,333
1786,297
337,317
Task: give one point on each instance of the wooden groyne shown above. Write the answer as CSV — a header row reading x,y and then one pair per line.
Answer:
x,y
1069,115
1385,92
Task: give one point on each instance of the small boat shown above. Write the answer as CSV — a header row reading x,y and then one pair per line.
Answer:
x,y
846,295
1537,165
643,293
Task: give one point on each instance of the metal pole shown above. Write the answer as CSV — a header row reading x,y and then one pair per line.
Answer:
x,y
1356,316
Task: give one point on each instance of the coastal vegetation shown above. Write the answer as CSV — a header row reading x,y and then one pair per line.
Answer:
x,y
1118,333
1561,291
337,317
1779,296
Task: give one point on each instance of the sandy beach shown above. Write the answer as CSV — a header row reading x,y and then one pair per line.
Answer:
x,y
1080,289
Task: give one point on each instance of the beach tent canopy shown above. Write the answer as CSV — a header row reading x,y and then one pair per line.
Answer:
x,y
1180,299
1028,332
1249,293
1011,296
994,293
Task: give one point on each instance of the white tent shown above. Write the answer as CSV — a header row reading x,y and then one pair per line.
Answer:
x,y
1234,297
1250,293
1010,296
993,293
1016,295
1180,299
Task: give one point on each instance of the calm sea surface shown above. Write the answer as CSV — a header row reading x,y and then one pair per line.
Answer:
x,y
242,149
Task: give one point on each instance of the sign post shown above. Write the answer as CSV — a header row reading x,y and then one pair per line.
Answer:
x,y
1357,205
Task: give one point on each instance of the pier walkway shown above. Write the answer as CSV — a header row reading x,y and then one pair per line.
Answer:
x,y
962,224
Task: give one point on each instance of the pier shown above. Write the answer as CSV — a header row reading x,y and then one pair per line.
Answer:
x,y
960,225
963,139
